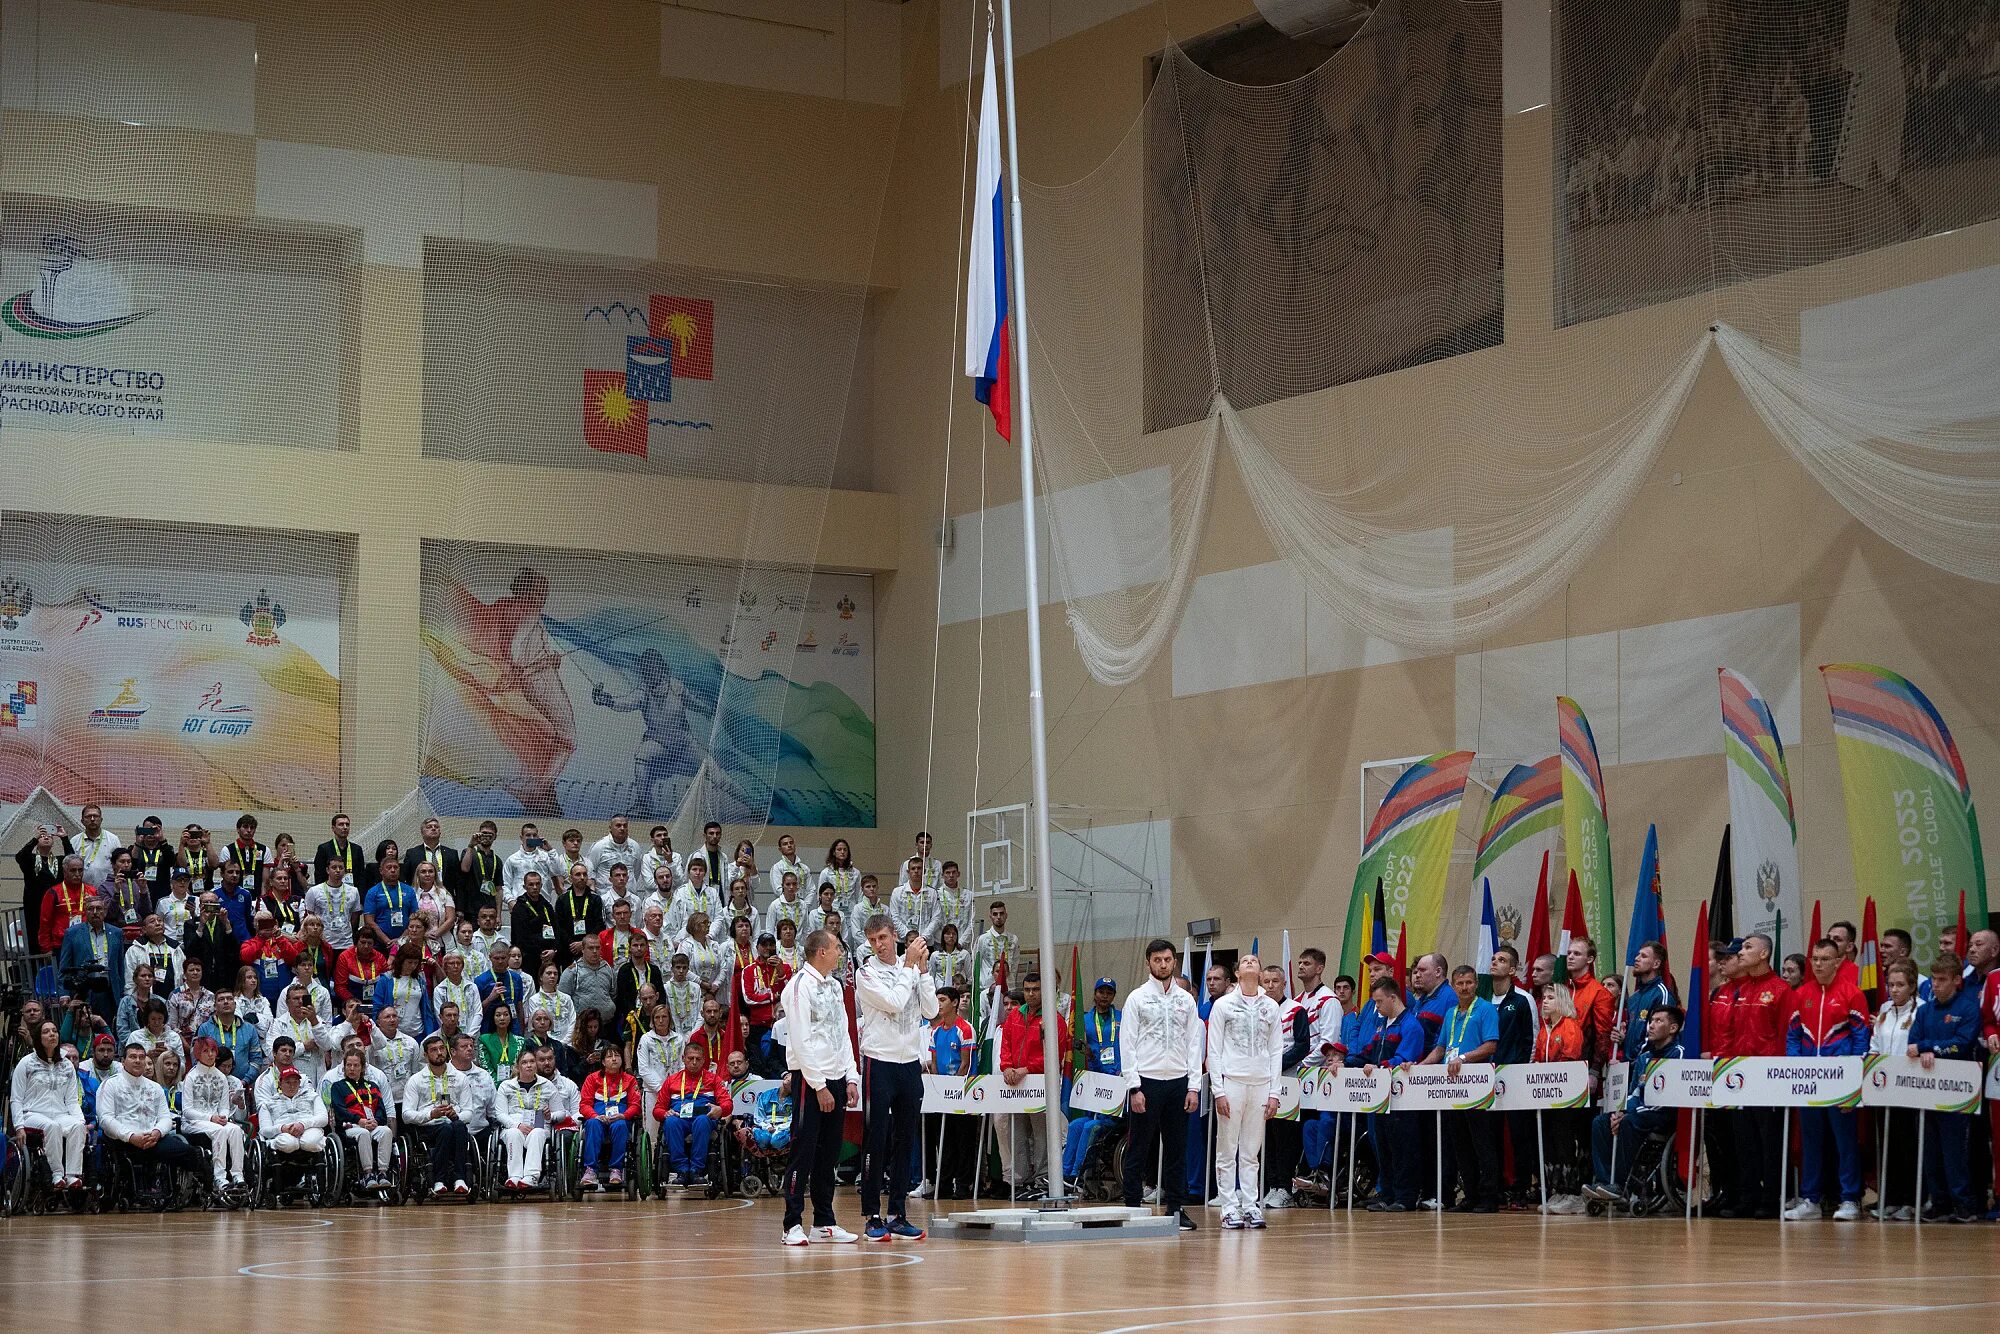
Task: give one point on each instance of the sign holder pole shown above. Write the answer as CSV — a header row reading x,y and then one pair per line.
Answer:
x,y
1918,1216
1439,1189
1541,1161
1882,1171
1353,1134
1784,1154
979,1163
1332,1162
1695,1147
923,1160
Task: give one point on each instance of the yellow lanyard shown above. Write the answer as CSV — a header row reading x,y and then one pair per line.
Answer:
x,y
1457,1019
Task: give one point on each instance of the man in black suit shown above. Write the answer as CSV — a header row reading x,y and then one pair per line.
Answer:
x,y
360,872
433,850
209,939
153,861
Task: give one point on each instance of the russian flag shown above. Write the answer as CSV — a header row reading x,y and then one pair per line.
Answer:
x,y
986,271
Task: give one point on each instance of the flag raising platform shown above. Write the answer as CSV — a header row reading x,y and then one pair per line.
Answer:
x,y
1094,1223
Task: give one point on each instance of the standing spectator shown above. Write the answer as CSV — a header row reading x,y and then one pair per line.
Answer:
x,y
1470,1034
40,860
209,938
1759,1018
91,962
353,862
272,955
95,844
825,1083
1897,1187
337,903
894,999
62,903
1947,1029
251,859
589,981
1829,1018
431,851
390,905
193,1004
1160,1039
481,874
1397,1041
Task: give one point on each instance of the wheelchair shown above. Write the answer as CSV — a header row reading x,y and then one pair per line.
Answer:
x,y
1654,1185
1102,1179
411,1167
639,1165
562,1166
347,1184
721,1142
132,1186
29,1188
311,1179
757,1171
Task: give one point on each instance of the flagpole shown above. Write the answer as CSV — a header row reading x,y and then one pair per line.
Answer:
x,y
1038,742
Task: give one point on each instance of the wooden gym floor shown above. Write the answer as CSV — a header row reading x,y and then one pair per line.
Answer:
x,y
717,1265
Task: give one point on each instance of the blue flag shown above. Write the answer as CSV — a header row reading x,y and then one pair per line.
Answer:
x,y
1649,921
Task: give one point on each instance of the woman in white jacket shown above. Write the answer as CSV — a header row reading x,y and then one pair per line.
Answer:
x,y
522,1108
294,1118
206,1109
1897,1190
47,1097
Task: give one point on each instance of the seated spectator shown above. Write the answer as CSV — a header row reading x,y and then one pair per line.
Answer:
x,y
132,1111
272,955
500,1046
770,1128
1615,1136
251,1007
46,1096
132,1006
305,973
293,1119
610,1104
430,1113
523,1112
361,1113
153,1033
688,1106
566,1100
207,1109
590,981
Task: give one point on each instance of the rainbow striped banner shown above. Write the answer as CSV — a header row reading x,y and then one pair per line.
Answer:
x,y
1522,822
1408,845
1910,818
1586,823
1764,837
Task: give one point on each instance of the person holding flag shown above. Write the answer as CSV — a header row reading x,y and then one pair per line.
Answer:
x,y
1651,988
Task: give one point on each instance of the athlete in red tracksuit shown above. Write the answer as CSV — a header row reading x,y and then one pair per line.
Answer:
x,y
759,983
1758,1018
1989,1029
1829,1018
1718,1132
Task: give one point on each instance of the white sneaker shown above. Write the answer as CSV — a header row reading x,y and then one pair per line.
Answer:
x,y
1253,1217
1232,1218
1801,1211
836,1234
1277,1198
795,1235
1219,1202
1847,1212
1152,1195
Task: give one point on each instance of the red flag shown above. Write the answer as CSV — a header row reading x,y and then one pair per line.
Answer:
x,y
1538,922
1959,938
1697,1004
613,421
1403,956
853,1129
1574,925
1812,938
1870,955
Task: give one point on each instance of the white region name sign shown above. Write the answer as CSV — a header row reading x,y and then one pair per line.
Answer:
x,y
1430,1088
1902,1081
1092,1091
1344,1090
1786,1081
984,1095
1538,1088
1683,1083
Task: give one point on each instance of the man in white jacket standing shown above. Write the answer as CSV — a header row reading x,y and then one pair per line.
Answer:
x,y
820,1062
1245,1050
132,1111
1160,1037
895,998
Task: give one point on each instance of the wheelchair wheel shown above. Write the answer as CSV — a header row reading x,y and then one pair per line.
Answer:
x,y
399,1167
20,1180
751,1186
326,1185
256,1172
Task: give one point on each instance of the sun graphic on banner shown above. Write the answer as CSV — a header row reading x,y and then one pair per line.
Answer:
x,y
615,406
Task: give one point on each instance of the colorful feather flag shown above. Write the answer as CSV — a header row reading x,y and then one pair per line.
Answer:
x,y
1764,851
1586,824
1521,826
1408,844
1868,957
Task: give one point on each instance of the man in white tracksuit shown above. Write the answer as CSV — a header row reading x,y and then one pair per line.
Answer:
x,y
895,998
820,1064
132,1110
1245,1050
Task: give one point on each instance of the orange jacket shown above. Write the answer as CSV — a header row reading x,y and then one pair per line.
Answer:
x,y
1560,1041
1597,1013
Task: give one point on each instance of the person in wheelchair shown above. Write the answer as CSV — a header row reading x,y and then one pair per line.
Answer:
x,y
292,1122
689,1105
524,1111
207,1110
1628,1127
610,1106
361,1113
132,1114
765,1134
430,1114
47,1098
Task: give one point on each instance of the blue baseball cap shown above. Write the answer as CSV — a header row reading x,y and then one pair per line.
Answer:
x,y
1105,984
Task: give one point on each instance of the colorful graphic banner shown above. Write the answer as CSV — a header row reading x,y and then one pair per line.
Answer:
x,y
1586,822
1408,845
1910,818
1522,822
577,686
1764,839
171,689
672,370
140,322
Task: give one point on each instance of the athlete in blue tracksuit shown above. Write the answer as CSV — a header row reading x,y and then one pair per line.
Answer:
x,y
1635,1119
1948,1029
1644,998
1097,1035
1399,1040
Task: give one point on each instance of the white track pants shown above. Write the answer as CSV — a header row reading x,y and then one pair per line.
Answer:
x,y
311,1142
225,1143
62,1141
524,1152
371,1147
1239,1142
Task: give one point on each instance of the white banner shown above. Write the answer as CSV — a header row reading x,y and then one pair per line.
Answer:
x,y
986,1095
1787,1081
1617,1084
1343,1090
1428,1088
1288,1097
1679,1083
1902,1081
1540,1087
1763,845
1095,1092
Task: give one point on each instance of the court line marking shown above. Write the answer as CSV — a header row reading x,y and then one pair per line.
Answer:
x,y
511,1271
1817,1311
1401,1298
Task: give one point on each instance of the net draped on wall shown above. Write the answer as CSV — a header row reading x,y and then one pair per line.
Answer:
x,y
512,480
1302,245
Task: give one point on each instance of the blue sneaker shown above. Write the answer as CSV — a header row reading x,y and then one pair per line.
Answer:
x,y
904,1230
876,1230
